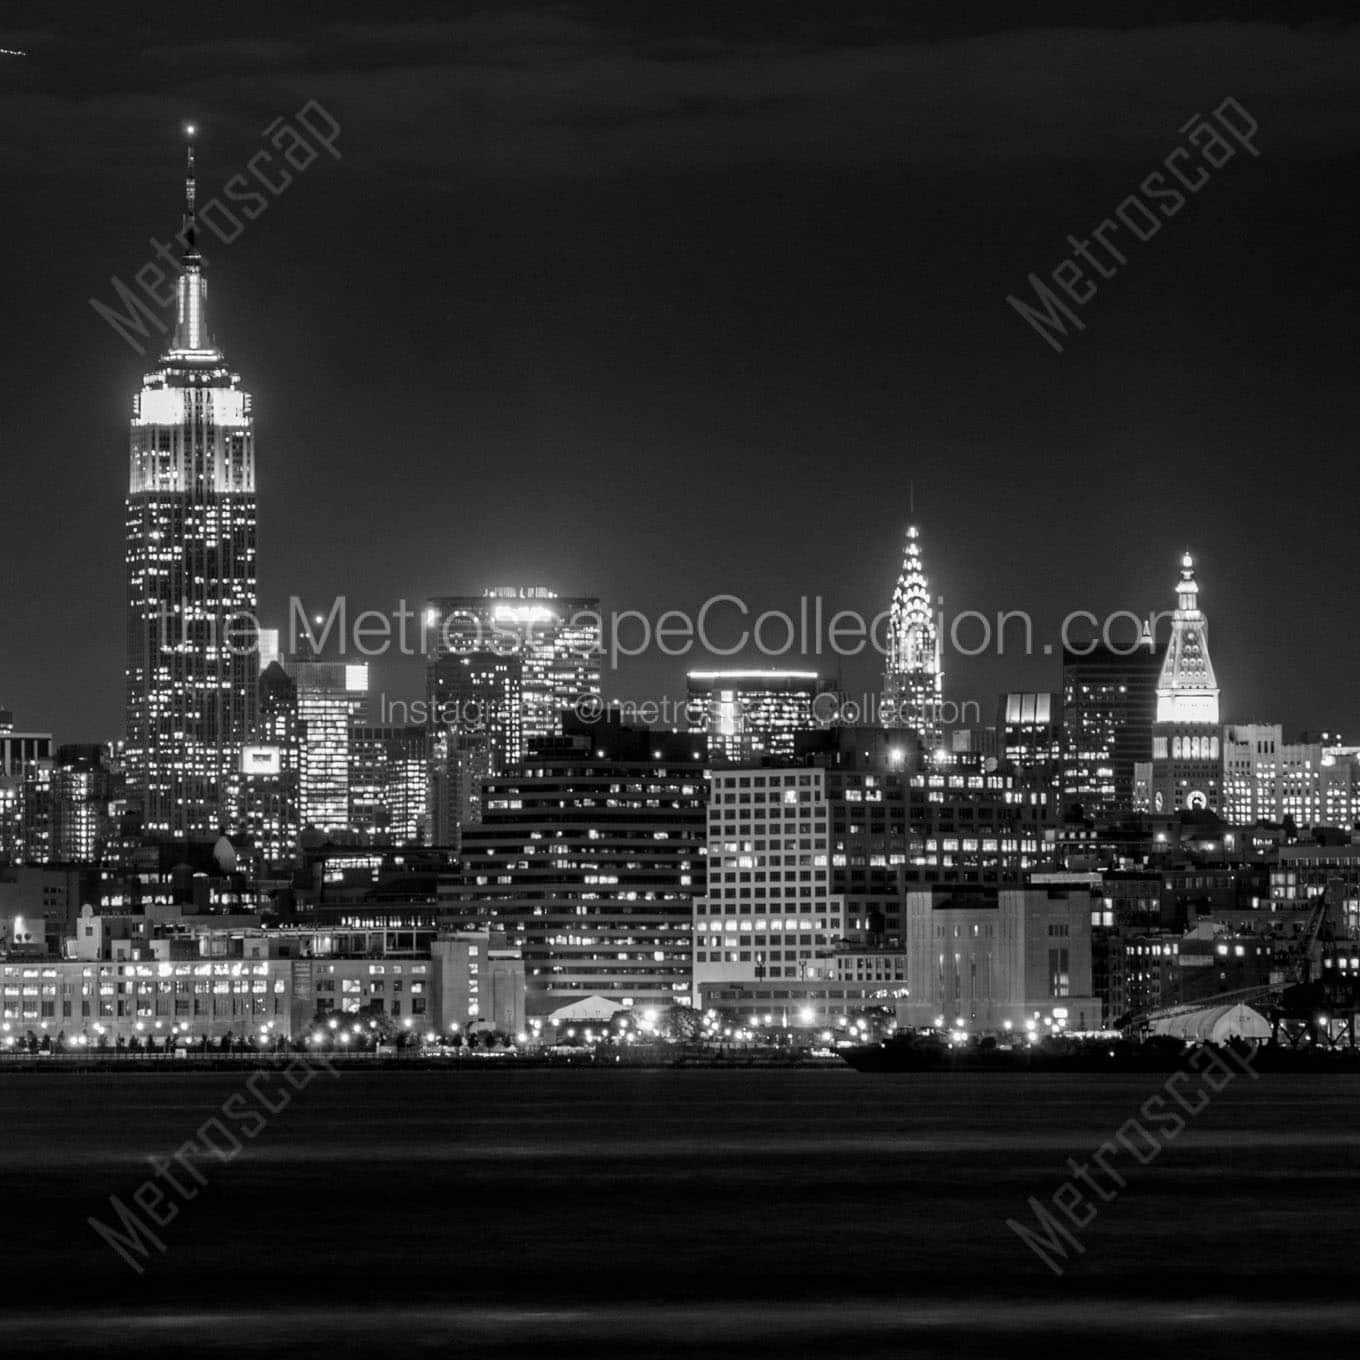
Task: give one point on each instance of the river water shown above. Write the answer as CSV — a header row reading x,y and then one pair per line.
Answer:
x,y
669,1213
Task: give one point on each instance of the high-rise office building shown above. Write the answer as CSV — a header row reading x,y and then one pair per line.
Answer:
x,y
84,788
898,819
913,683
556,642
389,777
478,694
271,770
191,572
460,762
1109,702
1030,729
770,909
751,714
329,695
25,794
589,857
1186,757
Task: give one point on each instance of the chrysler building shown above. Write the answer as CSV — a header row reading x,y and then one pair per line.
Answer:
x,y
912,680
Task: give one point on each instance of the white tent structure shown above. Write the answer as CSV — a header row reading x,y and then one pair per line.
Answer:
x,y
587,1009
1214,1024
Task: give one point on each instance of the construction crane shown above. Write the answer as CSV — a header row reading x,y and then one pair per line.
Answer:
x,y
1300,1003
1309,966
1319,1005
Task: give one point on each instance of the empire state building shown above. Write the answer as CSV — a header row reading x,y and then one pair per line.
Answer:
x,y
192,659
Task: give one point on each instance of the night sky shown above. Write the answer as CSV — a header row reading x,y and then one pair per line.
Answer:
x,y
656,302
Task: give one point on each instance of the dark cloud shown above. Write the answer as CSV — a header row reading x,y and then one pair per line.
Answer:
x,y
562,94
657,301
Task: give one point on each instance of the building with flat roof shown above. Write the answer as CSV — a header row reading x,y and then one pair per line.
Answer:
x,y
389,779
26,767
551,647
748,715
175,981
589,857
1267,779
983,959
1109,703
769,908
330,694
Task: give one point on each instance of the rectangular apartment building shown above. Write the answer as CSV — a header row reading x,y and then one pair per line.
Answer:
x,y
769,910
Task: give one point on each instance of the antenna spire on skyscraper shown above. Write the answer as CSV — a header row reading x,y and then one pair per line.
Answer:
x,y
190,234
191,308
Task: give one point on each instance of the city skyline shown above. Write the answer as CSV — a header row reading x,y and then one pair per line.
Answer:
x,y
729,640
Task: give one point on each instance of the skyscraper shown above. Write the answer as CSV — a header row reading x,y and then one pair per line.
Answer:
x,y
191,571
25,793
1030,726
389,775
1186,755
556,641
589,857
271,770
83,790
913,684
1109,701
329,696
748,714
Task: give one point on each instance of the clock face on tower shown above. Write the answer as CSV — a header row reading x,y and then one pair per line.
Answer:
x,y
1159,800
1196,800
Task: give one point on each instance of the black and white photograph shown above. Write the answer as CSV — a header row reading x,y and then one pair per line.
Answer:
x,y
675,680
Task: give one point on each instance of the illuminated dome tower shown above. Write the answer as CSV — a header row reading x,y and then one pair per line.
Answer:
x,y
192,670
1186,745
912,680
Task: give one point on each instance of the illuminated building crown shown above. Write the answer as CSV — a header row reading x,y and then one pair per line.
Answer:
x,y
912,681
192,425
1187,690
912,643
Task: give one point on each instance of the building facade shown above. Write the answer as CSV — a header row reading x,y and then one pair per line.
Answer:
x,y
191,573
329,696
990,959
1109,703
126,979
85,787
26,769
271,771
1030,732
747,715
589,857
769,910
389,778
556,641
1267,779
